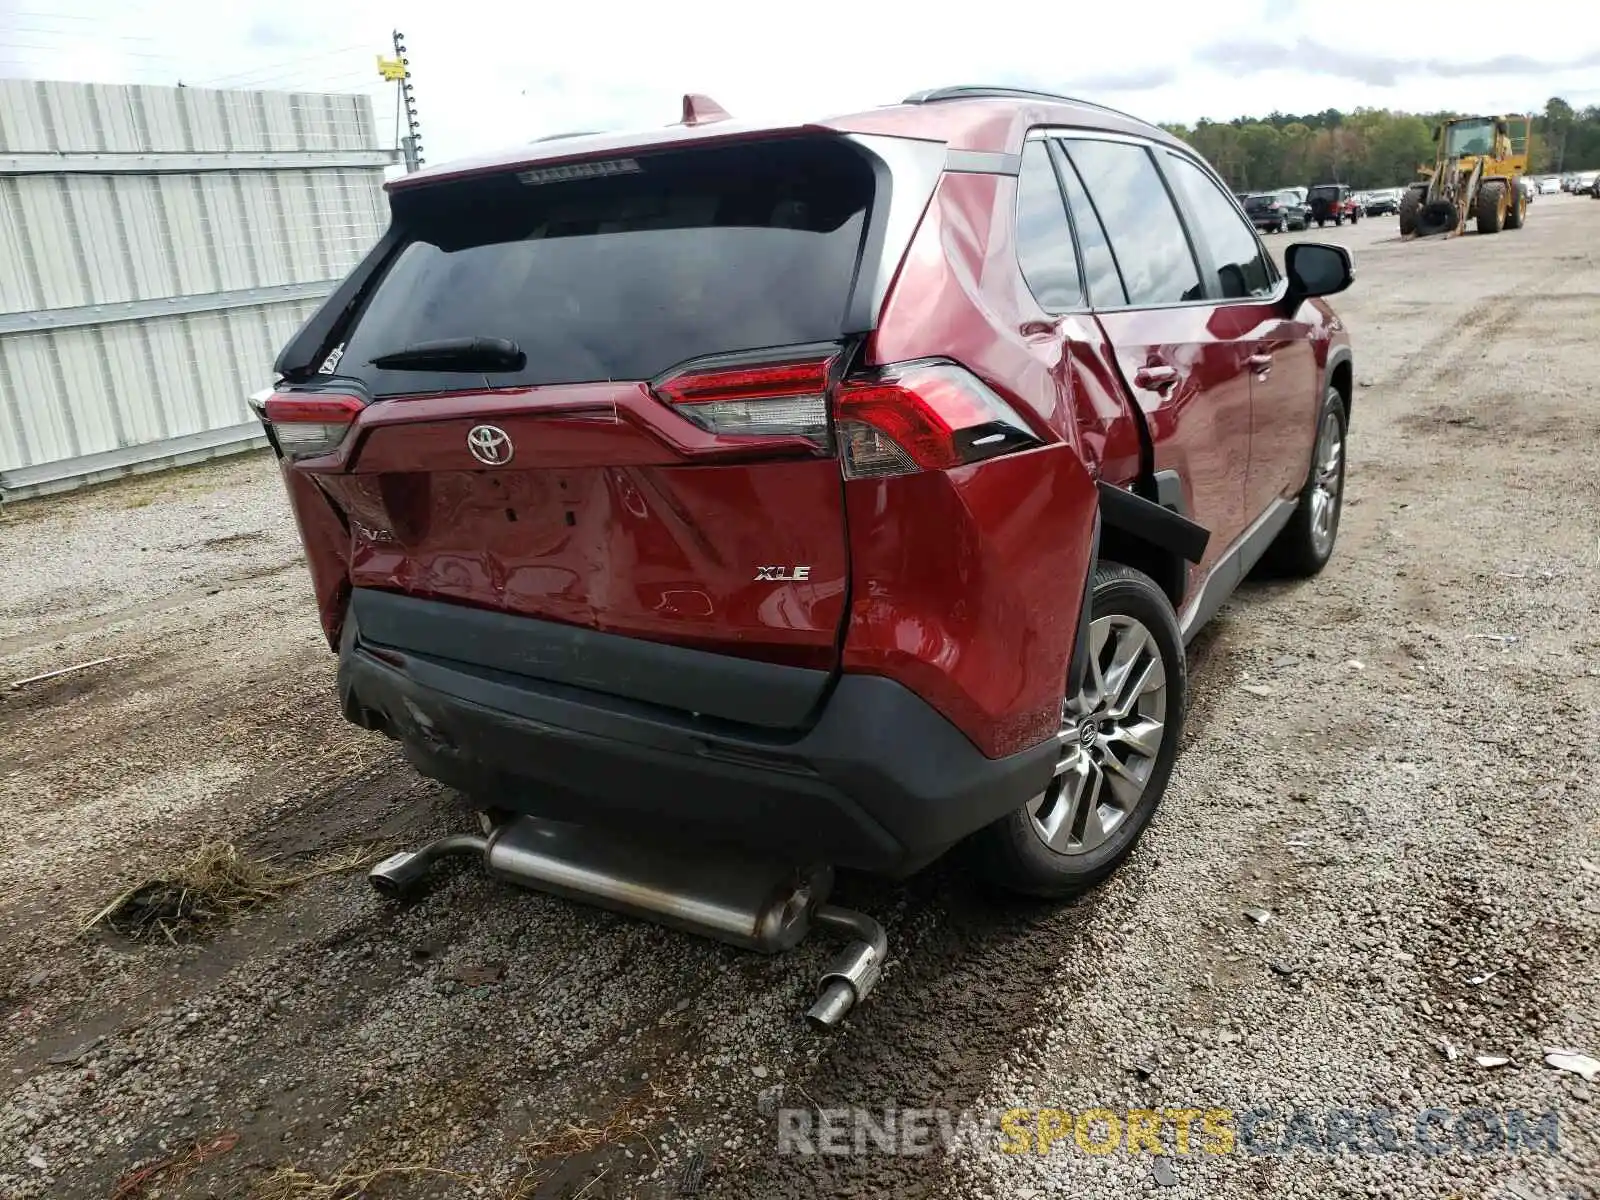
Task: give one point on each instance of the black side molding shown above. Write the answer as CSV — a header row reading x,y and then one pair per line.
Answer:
x,y
1339,355
1159,526
1079,665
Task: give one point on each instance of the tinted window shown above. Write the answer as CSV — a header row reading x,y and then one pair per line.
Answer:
x,y
1099,266
623,276
1044,239
1241,264
1157,267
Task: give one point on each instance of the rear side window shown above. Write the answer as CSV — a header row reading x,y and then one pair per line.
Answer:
x,y
1099,266
1121,179
669,257
1044,238
1241,265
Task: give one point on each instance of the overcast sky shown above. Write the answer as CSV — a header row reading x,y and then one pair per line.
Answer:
x,y
487,74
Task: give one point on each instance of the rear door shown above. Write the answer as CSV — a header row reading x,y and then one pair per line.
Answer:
x,y
659,464
1276,344
1187,374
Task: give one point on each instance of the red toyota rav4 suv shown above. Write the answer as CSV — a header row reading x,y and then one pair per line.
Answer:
x,y
840,490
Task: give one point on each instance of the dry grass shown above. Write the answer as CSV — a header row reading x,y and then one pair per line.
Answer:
x,y
215,884
541,1155
160,1178
348,1183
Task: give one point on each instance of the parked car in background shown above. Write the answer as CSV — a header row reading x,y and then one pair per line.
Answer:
x,y
1583,181
1332,202
1549,185
723,614
1275,212
1385,203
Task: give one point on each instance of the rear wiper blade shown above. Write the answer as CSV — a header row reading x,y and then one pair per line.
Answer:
x,y
455,354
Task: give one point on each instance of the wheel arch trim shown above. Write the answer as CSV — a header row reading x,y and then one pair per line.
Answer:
x,y
1162,527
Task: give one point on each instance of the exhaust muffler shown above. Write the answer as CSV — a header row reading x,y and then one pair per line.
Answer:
x,y
765,906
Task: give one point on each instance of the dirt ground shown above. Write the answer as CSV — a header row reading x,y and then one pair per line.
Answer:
x,y
1392,766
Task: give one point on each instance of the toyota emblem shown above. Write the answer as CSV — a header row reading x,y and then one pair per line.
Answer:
x,y
490,445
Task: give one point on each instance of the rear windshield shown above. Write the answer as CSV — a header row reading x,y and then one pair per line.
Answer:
x,y
1258,201
1325,193
673,256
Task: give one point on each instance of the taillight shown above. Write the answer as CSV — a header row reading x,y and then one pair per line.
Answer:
x,y
756,400
927,415
923,416
307,425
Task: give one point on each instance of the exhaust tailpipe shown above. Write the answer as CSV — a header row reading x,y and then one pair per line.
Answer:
x,y
761,905
854,972
399,875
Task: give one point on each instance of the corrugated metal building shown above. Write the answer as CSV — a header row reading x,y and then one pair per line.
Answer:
x,y
157,247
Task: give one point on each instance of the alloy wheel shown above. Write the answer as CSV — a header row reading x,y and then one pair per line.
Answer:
x,y
1111,733
1327,483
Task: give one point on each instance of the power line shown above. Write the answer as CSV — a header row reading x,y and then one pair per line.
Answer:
x,y
271,68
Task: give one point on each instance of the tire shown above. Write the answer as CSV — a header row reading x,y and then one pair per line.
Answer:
x,y
1438,216
1410,209
1320,223
1339,220
1306,543
1490,197
1517,211
1283,225
1127,611
1355,218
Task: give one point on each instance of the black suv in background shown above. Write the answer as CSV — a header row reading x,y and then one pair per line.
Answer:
x,y
1276,212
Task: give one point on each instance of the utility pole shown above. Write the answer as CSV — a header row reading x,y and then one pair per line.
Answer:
x,y
397,70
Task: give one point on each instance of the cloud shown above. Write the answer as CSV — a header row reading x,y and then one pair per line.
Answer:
x,y
1308,56
273,33
1140,80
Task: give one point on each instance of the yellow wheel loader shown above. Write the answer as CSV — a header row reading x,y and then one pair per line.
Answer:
x,y
1476,175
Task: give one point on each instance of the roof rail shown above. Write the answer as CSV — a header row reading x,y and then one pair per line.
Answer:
x,y
982,91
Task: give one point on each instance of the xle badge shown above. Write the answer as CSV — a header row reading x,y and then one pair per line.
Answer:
x,y
782,574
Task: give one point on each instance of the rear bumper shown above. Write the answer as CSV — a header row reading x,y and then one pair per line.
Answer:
x,y
874,779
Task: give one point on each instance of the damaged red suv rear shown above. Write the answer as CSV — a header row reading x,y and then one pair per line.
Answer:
x,y
840,491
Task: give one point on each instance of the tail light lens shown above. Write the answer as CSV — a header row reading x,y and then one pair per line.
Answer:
x,y
307,425
923,416
759,400
915,416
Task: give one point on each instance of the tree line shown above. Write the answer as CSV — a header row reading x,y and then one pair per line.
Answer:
x,y
1369,148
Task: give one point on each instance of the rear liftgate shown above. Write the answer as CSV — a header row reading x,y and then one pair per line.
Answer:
x,y
754,905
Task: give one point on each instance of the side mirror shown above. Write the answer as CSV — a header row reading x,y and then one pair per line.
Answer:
x,y
1316,269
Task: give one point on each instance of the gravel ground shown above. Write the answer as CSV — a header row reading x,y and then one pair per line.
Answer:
x,y
1379,859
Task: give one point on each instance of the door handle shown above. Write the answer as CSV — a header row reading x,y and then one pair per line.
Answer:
x,y
1157,378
